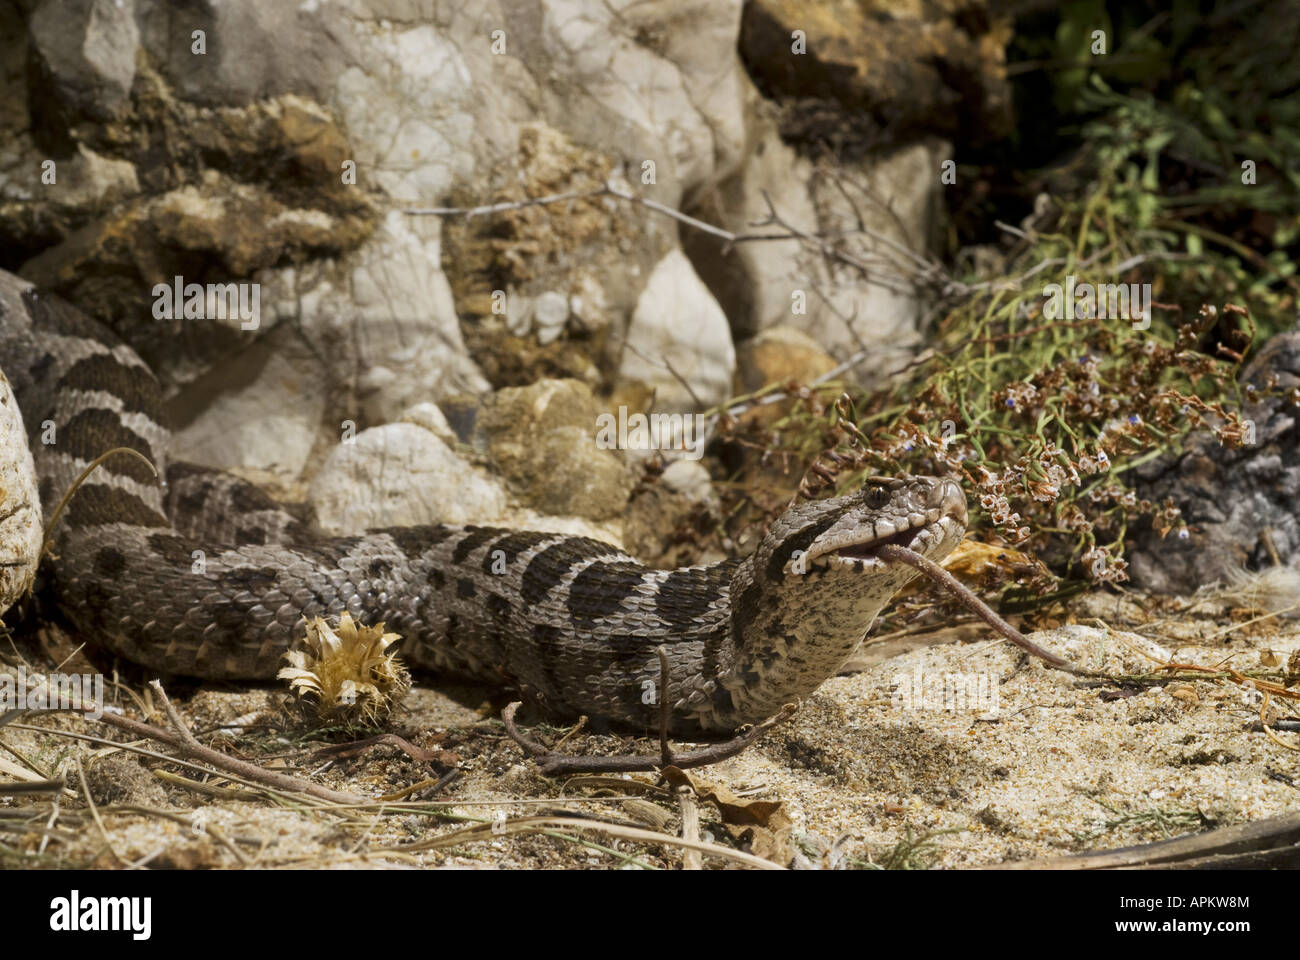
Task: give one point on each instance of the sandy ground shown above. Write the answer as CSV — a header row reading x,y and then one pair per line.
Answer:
x,y
948,755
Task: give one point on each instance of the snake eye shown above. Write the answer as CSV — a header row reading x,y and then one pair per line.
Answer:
x,y
877,497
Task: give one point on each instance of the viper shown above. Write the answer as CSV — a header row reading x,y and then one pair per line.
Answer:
x,y
207,576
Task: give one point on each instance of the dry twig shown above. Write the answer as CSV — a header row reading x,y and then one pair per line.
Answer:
x,y
973,603
551,763
525,825
221,761
690,827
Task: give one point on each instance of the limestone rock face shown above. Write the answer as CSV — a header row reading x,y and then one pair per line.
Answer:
x,y
281,149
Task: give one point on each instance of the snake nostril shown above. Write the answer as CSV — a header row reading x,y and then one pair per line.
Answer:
x,y
958,501
938,494
947,495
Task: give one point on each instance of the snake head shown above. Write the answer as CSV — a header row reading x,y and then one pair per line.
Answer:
x,y
924,514
807,596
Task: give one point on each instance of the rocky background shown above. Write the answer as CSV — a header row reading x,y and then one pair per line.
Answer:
x,y
463,360
284,144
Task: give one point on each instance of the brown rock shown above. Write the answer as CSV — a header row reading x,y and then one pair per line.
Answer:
x,y
777,355
542,438
873,70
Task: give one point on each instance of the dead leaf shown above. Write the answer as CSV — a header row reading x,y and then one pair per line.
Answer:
x,y
733,808
762,826
971,560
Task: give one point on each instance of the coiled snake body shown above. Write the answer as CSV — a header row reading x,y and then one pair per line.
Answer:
x,y
575,621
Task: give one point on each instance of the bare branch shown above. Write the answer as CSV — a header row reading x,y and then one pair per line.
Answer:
x,y
973,603
551,763
221,761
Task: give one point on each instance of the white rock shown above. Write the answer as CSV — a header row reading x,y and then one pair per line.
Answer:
x,y
21,532
550,313
639,98
519,314
396,475
405,320
93,181
385,311
411,110
588,304
269,423
884,308
678,324
431,417
690,479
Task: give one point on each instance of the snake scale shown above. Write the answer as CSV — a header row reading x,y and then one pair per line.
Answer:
x,y
573,621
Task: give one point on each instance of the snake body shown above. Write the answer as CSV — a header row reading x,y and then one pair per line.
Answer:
x,y
208,577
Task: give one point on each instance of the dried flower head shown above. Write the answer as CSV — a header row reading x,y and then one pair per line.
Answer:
x,y
346,674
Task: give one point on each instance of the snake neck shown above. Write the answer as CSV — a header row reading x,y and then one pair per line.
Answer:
x,y
787,638
803,602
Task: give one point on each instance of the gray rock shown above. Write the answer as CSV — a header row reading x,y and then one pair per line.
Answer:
x,y
252,50
87,48
1235,500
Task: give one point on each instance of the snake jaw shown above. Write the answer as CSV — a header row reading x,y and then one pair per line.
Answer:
x,y
935,537
931,529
